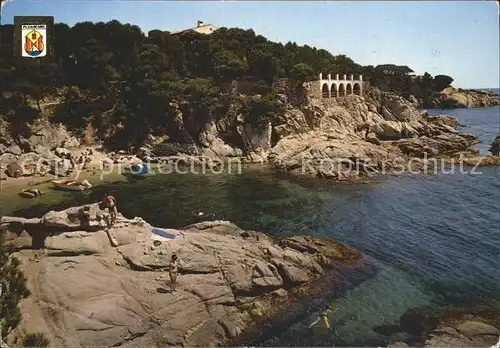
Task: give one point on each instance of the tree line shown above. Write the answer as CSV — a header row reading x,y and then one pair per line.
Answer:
x,y
130,84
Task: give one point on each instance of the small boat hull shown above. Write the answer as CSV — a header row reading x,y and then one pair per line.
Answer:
x,y
68,185
28,193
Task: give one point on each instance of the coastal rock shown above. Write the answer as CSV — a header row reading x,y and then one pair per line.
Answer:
x,y
495,146
398,345
29,158
7,158
213,145
71,143
388,130
14,149
387,115
44,152
451,98
444,120
463,333
445,328
440,144
144,152
61,152
86,291
327,136
372,138
49,136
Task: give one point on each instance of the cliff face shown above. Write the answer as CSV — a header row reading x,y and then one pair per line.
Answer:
x,y
356,135
378,126
336,138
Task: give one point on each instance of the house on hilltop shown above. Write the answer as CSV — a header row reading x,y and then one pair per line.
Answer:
x,y
391,69
201,28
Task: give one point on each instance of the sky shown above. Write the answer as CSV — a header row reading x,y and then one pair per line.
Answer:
x,y
456,38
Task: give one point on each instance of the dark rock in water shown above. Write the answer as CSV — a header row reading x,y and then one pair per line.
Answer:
x,y
418,321
495,146
466,327
387,330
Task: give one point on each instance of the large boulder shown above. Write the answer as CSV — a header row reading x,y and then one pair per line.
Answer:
x,y
15,169
50,136
44,152
62,152
14,149
465,331
7,158
387,130
459,98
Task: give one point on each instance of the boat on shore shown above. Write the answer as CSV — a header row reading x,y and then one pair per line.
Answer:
x,y
30,193
71,185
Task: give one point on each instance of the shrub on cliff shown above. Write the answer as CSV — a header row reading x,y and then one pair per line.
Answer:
x,y
13,285
35,340
260,111
302,72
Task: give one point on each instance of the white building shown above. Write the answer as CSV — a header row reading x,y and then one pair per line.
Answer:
x,y
201,28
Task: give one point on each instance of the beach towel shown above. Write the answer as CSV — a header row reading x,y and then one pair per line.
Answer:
x,y
165,233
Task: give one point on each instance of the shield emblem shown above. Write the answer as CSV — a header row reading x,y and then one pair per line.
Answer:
x,y
34,40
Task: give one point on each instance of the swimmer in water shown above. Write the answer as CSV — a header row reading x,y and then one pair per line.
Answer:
x,y
324,316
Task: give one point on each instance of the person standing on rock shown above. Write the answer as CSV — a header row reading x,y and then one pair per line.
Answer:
x,y
71,161
173,271
110,202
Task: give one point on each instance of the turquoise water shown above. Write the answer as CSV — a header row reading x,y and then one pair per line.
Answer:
x,y
435,239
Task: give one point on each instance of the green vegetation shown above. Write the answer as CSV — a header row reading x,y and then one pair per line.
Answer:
x,y
13,289
35,340
125,85
13,285
397,79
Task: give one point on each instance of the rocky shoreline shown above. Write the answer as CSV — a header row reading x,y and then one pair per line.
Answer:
x,y
340,139
239,286
96,286
452,98
356,137
433,328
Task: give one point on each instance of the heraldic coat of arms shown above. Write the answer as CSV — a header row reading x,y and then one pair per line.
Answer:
x,y
34,40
